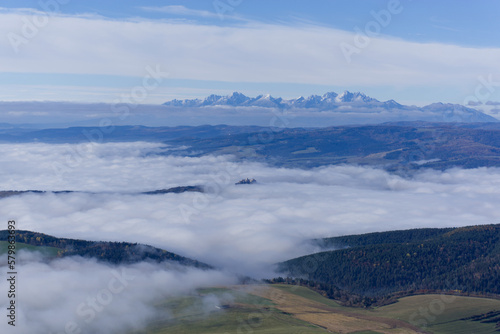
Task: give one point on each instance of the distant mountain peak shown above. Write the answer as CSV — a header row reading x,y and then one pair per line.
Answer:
x,y
237,98
347,96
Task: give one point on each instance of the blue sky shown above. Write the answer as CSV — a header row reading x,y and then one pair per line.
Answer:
x,y
461,22
99,51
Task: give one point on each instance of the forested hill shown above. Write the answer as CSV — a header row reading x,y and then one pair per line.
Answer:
x,y
376,265
113,252
376,238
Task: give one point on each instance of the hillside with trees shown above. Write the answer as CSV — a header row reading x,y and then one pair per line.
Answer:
x,y
373,268
112,252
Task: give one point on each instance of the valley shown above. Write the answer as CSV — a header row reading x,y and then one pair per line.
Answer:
x,y
301,306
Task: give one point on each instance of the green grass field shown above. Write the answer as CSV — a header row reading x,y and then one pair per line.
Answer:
x,y
249,313
48,251
307,293
442,314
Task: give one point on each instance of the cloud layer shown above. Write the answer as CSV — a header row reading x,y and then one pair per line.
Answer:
x,y
247,52
240,229
76,295
243,229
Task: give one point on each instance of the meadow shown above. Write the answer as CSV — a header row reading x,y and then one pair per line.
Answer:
x,y
291,309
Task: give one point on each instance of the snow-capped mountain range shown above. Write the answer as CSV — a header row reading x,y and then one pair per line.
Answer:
x,y
346,103
328,100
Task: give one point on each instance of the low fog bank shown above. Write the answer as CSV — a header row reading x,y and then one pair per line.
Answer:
x,y
77,295
240,229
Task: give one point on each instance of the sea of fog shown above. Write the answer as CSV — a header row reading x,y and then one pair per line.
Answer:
x,y
239,229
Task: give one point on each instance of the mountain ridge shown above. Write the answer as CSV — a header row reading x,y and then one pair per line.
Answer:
x,y
237,99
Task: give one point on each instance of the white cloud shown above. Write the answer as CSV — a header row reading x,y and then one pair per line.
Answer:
x,y
253,52
97,298
240,228
181,10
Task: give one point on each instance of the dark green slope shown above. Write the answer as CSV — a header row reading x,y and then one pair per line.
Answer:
x,y
376,265
376,238
112,252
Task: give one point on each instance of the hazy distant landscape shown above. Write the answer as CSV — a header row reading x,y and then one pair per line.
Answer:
x,y
392,146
